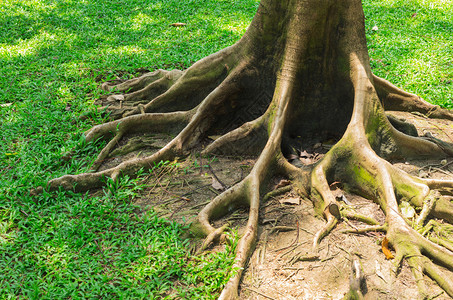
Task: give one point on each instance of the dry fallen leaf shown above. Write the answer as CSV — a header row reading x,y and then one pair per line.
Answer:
x,y
385,249
305,154
306,161
214,137
293,156
283,183
217,185
343,198
178,24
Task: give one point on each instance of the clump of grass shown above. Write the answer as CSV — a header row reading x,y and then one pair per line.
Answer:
x,y
52,56
65,245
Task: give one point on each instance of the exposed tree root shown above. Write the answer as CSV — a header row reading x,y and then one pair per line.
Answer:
x,y
249,139
362,170
394,98
265,96
359,217
442,242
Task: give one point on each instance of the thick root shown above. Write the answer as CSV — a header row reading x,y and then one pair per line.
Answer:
x,y
190,89
195,123
416,249
355,162
88,181
422,194
158,122
249,139
383,185
167,91
165,122
137,91
359,217
225,203
324,231
165,78
394,98
371,228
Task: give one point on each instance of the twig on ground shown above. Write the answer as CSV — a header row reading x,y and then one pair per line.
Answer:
x,y
170,193
282,229
294,247
307,257
195,189
225,187
200,204
258,292
263,251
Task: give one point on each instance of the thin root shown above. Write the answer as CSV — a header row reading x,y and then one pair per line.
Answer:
x,y
325,230
372,228
213,236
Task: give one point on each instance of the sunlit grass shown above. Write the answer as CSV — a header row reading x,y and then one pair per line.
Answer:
x,y
412,45
63,245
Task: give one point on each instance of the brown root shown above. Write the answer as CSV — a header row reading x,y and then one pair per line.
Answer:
x,y
394,98
369,175
324,231
359,217
159,122
370,228
167,91
165,78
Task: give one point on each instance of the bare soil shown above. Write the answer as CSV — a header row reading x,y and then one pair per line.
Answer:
x,y
287,225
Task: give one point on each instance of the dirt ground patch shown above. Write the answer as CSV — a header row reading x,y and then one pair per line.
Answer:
x,y
178,191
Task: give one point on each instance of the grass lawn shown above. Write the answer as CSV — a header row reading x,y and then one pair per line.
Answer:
x,y
53,54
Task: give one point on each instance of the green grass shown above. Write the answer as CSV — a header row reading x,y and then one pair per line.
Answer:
x,y
413,45
65,245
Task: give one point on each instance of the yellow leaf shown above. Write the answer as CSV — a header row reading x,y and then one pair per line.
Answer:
x,y
385,248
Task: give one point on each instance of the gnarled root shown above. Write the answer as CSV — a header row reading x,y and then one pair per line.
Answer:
x,y
355,162
165,91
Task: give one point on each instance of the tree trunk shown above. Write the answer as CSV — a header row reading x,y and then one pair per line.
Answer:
x,y
299,75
